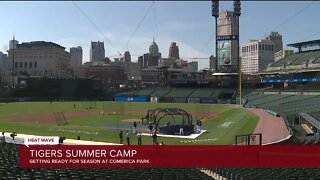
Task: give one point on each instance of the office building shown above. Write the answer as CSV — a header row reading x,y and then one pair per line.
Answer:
x,y
126,57
76,56
13,44
174,51
276,38
40,58
154,49
256,55
97,51
212,63
152,58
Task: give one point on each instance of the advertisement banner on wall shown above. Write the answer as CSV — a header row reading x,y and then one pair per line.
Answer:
x,y
194,100
154,99
224,53
131,99
179,100
207,101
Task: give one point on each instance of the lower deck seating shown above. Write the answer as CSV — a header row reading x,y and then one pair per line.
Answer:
x,y
9,169
267,174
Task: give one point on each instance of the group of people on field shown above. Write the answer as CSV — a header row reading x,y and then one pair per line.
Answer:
x,y
153,133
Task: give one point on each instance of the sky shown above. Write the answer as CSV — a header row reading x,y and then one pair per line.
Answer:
x,y
133,25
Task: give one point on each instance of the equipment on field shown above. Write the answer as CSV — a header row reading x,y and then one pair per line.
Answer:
x,y
170,121
60,118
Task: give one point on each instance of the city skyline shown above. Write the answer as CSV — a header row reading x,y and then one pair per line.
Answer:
x,y
68,24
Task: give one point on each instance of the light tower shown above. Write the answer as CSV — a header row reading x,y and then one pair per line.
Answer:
x,y
215,14
237,13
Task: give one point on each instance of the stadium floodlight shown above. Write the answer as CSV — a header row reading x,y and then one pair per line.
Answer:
x,y
237,7
215,8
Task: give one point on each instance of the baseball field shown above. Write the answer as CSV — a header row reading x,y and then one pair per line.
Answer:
x,y
102,121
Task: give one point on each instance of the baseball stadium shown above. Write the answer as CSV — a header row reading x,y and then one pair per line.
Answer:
x,y
168,105
274,114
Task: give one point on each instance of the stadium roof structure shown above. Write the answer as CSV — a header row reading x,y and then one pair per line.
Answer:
x,y
305,61
305,44
224,74
289,71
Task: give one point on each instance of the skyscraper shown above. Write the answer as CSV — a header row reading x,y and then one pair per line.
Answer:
x,y
256,55
97,52
127,57
174,51
227,49
154,49
76,56
276,38
13,43
152,58
212,63
4,66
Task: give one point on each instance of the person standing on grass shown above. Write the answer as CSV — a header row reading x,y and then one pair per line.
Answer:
x,y
128,137
154,139
139,138
134,127
121,137
181,131
150,128
197,125
200,124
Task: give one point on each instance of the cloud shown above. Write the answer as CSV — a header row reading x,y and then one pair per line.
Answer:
x,y
108,35
3,48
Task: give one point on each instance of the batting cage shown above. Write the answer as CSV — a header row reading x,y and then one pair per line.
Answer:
x,y
170,120
60,118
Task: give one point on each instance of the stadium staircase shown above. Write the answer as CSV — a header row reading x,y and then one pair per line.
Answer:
x,y
315,114
289,106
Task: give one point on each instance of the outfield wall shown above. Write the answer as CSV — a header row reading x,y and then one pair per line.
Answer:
x,y
173,100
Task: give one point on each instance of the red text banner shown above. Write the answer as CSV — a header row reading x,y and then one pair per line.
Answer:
x,y
82,156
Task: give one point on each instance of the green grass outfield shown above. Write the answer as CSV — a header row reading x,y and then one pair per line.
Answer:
x,y
227,123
